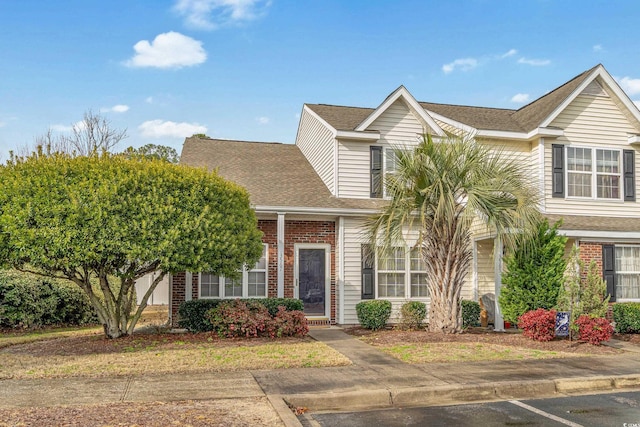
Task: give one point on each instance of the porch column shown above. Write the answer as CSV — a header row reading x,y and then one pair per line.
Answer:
x,y
188,286
280,255
497,272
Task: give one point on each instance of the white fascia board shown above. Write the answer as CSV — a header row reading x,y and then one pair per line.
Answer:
x,y
317,211
538,132
403,93
355,135
601,235
634,139
465,128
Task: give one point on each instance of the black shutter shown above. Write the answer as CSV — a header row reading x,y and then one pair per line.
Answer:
x,y
376,172
368,272
628,163
557,164
609,269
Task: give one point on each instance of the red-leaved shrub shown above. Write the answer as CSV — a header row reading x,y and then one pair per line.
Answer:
x,y
539,325
594,330
240,318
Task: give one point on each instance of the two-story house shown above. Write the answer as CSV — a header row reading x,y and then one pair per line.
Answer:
x,y
579,142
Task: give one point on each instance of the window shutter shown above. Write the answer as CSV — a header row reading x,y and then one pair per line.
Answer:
x,y
368,272
609,269
628,163
557,160
376,172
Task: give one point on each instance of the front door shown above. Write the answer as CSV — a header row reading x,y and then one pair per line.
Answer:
x,y
313,278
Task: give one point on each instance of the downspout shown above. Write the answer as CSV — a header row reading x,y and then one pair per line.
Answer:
x,y
498,322
280,238
341,270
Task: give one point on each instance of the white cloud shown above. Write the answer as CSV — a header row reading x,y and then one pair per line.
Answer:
x,y
511,52
3,124
534,62
64,128
168,50
520,98
464,64
597,48
263,120
629,85
119,108
149,100
212,14
161,129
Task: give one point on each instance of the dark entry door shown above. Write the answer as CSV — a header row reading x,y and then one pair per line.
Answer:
x,y
311,280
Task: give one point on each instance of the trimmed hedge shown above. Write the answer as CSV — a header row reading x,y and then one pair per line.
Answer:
x,y
373,314
470,313
29,301
626,315
412,314
192,314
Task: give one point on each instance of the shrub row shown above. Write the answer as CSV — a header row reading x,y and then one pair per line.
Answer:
x,y
627,317
192,314
250,318
373,314
540,325
28,301
470,313
412,314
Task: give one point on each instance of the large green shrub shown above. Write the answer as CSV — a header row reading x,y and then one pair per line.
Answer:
x,y
192,314
626,316
373,314
30,301
412,314
470,313
534,273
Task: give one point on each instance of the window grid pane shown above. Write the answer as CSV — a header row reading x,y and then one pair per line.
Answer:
x,y
419,288
627,272
391,276
209,285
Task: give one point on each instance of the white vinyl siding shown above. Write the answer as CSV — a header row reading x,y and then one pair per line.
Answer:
x,y
317,144
353,240
597,123
398,128
486,268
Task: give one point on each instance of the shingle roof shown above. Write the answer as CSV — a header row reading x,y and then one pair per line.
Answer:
x,y
524,119
595,223
274,174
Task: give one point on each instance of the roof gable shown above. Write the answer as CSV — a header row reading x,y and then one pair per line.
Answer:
x,y
401,94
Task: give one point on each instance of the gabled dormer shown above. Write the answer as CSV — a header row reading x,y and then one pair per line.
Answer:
x,y
351,147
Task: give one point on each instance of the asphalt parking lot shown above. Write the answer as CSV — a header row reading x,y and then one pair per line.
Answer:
x,y
614,409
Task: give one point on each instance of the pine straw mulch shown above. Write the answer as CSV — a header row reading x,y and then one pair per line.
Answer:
x,y
513,338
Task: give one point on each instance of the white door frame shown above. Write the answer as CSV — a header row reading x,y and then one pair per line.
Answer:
x,y
327,274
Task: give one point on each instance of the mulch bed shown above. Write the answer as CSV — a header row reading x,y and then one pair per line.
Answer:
x,y
512,337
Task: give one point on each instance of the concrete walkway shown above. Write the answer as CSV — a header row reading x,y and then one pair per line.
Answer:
x,y
374,380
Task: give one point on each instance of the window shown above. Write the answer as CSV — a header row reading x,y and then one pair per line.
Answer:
x,y
582,176
627,269
251,283
402,274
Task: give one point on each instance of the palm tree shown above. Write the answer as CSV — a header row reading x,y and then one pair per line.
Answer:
x,y
444,189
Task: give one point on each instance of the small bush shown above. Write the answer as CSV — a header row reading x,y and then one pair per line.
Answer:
x,y
626,315
412,314
539,325
272,304
594,330
240,318
470,313
290,323
373,314
250,318
29,301
191,314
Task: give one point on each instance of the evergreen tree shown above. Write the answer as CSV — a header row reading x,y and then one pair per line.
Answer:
x,y
534,273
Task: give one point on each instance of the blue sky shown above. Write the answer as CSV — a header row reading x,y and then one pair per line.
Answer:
x,y
241,69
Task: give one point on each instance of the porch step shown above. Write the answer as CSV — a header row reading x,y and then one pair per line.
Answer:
x,y
319,323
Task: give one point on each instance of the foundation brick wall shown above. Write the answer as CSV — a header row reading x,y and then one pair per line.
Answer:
x,y
295,231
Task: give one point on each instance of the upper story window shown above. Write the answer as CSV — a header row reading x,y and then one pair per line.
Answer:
x,y
593,173
251,283
383,162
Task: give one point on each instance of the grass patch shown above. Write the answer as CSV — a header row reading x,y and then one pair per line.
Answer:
x,y
158,360
465,352
23,337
